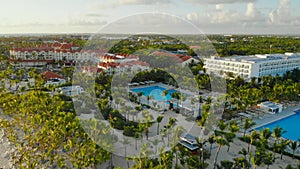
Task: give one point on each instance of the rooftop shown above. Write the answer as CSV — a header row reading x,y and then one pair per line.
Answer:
x,y
51,75
259,57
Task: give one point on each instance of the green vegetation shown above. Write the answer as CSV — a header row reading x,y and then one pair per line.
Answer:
x,y
45,130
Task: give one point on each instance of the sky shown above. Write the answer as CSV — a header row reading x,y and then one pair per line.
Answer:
x,y
92,16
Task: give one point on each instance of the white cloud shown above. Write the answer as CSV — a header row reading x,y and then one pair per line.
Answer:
x,y
142,2
192,16
159,23
118,3
219,1
95,15
225,16
220,6
251,10
282,14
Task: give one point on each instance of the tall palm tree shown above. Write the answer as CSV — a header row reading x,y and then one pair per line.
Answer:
x,y
294,145
158,120
155,143
229,138
269,159
233,127
222,125
177,96
265,135
257,159
149,97
165,93
200,144
221,142
247,125
243,152
140,94
254,135
211,140
241,162
282,146
277,133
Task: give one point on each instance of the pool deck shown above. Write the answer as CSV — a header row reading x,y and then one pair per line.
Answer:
x,y
184,104
167,87
289,111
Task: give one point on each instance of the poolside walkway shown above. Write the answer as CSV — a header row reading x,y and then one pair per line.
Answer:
x,y
285,113
272,118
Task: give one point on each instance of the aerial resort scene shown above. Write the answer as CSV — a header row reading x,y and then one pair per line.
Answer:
x,y
140,84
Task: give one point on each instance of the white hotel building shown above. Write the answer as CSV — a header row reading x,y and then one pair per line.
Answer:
x,y
253,65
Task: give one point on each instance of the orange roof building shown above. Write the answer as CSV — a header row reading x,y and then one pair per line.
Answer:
x,y
51,75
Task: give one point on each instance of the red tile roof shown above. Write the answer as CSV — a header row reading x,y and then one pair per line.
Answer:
x,y
195,47
66,46
56,45
108,65
92,69
51,75
179,58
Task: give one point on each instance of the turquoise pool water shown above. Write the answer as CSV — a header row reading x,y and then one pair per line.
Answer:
x,y
156,92
290,124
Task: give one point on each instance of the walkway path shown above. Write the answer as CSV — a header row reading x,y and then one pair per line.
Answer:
x,y
285,113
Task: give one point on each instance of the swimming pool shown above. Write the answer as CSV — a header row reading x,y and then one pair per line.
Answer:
x,y
290,124
156,92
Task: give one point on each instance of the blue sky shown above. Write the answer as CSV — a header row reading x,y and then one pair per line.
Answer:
x,y
210,16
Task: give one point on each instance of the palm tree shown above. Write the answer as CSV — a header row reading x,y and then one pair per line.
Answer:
x,y
294,145
149,97
265,135
221,142
211,140
254,135
233,127
229,138
165,93
247,125
200,143
177,96
226,164
158,120
269,159
136,136
240,162
282,146
222,125
243,152
257,159
155,143
172,121
140,94
141,129
277,133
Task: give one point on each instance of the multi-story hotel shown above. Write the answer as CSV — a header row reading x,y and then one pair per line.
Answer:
x,y
70,53
64,52
48,53
253,65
